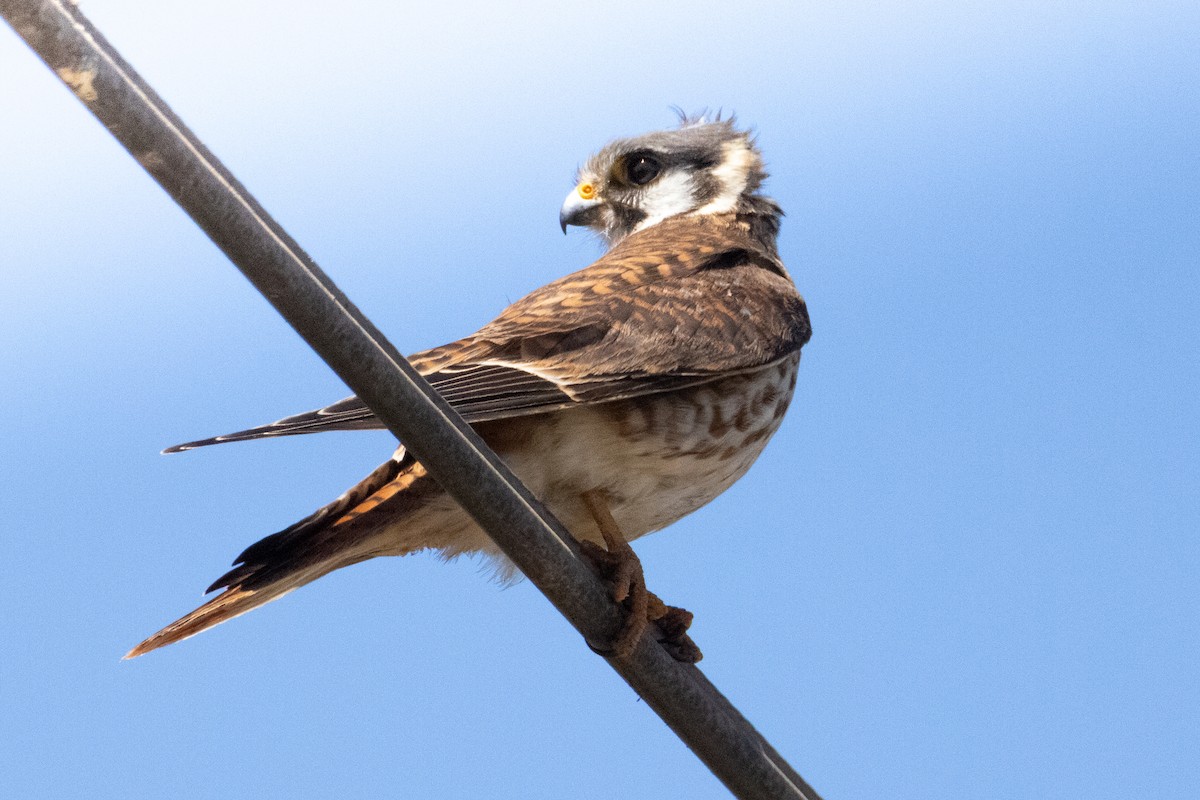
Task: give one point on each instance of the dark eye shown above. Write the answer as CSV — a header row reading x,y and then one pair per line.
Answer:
x,y
641,168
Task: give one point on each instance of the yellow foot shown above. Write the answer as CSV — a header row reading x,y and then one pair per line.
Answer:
x,y
621,567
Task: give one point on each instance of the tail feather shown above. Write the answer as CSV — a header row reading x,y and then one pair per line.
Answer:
x,y
259,587
336,536
282,545
227,605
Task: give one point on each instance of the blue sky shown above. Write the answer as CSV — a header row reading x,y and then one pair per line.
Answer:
x,y
967,566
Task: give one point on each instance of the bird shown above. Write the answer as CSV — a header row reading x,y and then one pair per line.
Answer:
x,y
625,395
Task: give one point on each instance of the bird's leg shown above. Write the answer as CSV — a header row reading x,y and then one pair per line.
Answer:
x,y
620,565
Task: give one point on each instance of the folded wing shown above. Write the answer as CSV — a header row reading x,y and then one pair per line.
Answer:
x,y
650,316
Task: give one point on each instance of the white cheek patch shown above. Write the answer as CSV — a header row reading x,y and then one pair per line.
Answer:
x,y
673,193
731,173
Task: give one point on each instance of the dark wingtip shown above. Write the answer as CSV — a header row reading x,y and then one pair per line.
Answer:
x,y
180,448
240,436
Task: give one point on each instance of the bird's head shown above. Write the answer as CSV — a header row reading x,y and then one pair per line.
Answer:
x,y
702,167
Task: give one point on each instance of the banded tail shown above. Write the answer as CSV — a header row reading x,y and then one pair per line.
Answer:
x,y
233,602
300,554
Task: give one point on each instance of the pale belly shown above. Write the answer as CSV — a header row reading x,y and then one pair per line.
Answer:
x,y
657,459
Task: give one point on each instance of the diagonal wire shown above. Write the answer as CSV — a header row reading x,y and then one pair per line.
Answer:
x,y
536,542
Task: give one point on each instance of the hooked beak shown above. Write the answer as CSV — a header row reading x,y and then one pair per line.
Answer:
x,y
578,209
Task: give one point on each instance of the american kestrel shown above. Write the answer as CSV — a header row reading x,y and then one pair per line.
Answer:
x,y
625,395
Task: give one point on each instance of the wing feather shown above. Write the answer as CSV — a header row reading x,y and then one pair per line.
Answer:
x,y
686,301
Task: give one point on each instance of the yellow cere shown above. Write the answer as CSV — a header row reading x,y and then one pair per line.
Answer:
x,y
586,190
